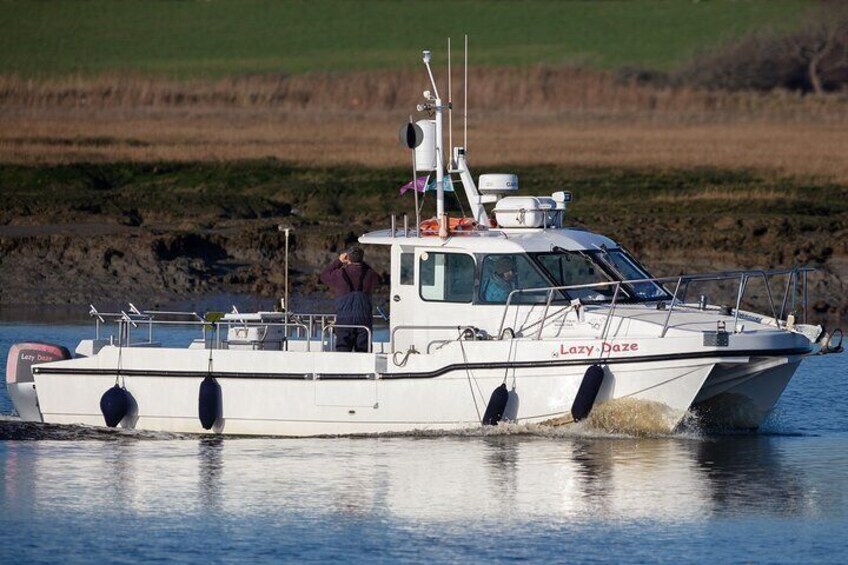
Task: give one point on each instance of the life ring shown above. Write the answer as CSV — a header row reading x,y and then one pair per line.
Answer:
x,y
455,226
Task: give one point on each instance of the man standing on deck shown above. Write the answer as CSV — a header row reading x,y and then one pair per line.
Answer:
x,y
353,282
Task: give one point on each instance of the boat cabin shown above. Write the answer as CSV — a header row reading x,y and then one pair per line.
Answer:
x,y
519,264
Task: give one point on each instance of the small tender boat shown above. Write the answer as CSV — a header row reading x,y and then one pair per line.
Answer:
x,y
508,315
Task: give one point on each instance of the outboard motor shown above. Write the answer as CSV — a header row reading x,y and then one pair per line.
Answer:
x,y
19,381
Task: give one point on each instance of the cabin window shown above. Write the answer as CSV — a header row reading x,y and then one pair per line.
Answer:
x,y
629,271
407,268
446,277
575,269
503,273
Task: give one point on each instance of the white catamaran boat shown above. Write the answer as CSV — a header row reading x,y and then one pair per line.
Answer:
x,y
506,316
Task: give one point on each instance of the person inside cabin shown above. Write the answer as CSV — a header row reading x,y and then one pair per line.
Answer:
x,y
500,282
353,283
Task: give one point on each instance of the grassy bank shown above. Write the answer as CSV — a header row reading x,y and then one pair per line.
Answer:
x,y
189,39
247,190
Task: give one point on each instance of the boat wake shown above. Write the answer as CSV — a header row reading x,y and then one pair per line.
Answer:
x,y
12,428
607,424
641,418
617,418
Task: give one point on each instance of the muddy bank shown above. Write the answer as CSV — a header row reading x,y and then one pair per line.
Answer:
x,y
112,265
159,234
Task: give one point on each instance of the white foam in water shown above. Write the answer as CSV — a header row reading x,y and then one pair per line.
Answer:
x,y
634,417
624,417
13,428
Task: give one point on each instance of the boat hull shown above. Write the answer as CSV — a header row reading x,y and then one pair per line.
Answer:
x,y
286,404
741,397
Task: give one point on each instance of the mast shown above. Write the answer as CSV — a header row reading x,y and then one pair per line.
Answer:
x,y
458,163
440,167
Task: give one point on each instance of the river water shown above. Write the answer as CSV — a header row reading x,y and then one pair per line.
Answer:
x,y
573,494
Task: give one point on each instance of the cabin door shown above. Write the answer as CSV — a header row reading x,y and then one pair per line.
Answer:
x,y
432,292
404,297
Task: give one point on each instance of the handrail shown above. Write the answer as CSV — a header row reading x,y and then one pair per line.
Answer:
x,y
681,280
351,326
397,329
194,315
743,283
771,300
310,325
610,311
440,342
671,306
125,321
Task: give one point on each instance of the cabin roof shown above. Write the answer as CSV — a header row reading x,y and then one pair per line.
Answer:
x,y
498,240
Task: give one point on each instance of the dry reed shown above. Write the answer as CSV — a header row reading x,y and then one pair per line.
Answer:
x,y
536,89
519,116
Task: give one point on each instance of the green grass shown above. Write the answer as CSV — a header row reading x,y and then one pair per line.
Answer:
x,y
257,189
220,37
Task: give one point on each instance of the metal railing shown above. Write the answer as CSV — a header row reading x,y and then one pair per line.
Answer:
x,y
302,327
311,326
677,298
332,328
398,329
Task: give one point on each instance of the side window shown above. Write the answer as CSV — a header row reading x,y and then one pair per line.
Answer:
x,y
501,274
407,268
446,277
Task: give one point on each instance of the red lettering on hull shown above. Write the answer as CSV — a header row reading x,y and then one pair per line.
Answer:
x,y
606,347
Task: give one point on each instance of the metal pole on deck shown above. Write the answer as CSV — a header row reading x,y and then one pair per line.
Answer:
x,y
285,304
415,185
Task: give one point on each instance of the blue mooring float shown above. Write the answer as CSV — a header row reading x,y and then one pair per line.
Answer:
x,y
209,402
497,405
587,393
114,404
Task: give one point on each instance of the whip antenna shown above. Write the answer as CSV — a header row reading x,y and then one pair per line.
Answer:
x,y
465,100
450,108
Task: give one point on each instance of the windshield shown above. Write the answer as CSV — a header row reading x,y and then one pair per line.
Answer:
x,y
575,268
627,269
568,268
